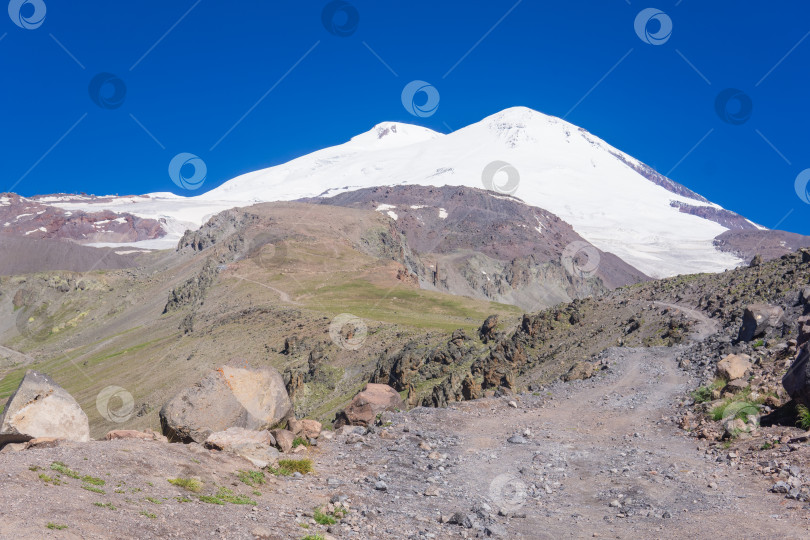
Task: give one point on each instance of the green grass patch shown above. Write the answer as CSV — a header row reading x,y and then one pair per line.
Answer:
x,y
153,500
803,414
105,505
300,441
50,479
56,527
251,478
60,467
323,519
286,467
183,499
190,484
313,537
94,489
210,499
227,495
93,480
150,515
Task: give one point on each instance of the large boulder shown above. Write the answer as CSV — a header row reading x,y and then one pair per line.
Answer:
x,y
255,446
797,379
41,408
364,408
310,429
758,319
225,398
734,366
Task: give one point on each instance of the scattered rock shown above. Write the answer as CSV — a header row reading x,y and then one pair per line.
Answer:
x,y
366,405
311,429
734,366
146,435
284,439
255,446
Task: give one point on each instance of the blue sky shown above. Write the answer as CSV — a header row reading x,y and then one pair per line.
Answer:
x,y
192,69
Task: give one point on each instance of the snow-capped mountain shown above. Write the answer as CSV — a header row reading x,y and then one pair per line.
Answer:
x,y
611,199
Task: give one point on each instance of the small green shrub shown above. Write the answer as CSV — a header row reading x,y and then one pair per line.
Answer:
x,y
60,467
190,484
286,467
300,441
323,519
56,527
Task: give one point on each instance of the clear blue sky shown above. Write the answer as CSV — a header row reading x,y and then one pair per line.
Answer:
x,y
219,58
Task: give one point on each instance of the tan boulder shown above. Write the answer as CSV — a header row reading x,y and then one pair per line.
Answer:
x,y
734,366
41,408
310,429
255,446
284,439
227,397
364,408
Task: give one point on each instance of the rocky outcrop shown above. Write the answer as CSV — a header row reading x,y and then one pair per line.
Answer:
x,y
228,397
41,408
487,330
132,434
580,371
371,401
216,229
193,291
797,379
758,319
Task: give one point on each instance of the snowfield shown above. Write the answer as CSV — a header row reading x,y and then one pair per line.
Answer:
x,y
561,168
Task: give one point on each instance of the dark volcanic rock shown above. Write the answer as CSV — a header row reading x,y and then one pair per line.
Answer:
x,y
758,319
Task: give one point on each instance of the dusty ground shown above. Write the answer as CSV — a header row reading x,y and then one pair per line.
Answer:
x,y
596,458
